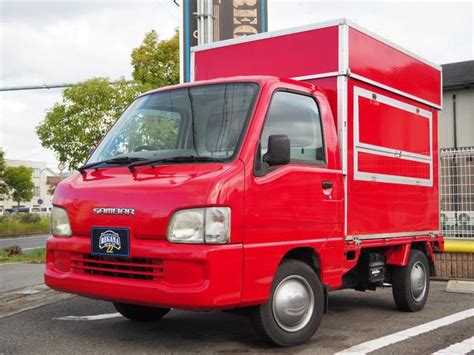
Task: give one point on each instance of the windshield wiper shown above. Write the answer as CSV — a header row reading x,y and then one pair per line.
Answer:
x,y
117,161
180,159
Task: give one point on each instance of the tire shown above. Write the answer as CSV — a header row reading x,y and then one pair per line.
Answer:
x,y
140,313
272,319
411,283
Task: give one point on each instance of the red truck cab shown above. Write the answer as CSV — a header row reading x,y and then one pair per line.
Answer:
x,y
233,193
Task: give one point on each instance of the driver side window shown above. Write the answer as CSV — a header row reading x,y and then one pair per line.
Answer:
x,y
296,116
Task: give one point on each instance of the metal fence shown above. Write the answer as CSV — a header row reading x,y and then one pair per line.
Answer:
x,y
457,193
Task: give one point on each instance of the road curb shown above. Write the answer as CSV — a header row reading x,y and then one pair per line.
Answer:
x,y
26,298
460,286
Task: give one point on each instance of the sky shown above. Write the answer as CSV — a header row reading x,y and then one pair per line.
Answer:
x,y
52,42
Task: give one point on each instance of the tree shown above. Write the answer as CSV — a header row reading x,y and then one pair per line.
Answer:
x,y
20,183
77,124
156,63
3,186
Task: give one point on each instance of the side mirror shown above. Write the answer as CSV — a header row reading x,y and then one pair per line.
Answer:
x,y
278,150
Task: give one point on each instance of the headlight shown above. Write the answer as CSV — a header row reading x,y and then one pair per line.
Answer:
x,y
217,225
200,226
187,226
60,226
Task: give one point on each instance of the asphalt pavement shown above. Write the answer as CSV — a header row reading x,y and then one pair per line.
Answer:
x,y
25,242
366,319
18,275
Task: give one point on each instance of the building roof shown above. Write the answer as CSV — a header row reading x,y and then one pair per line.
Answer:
x,y
458,75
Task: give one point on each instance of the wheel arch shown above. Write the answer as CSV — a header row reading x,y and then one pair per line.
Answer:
x,y
427,249
262,262
307,255
398,255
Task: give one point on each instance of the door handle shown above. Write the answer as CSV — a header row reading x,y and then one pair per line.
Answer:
x,y
327,185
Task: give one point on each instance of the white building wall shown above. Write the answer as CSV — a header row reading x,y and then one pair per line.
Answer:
x,y
40,173
464,118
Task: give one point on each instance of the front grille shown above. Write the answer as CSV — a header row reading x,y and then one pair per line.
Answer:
x,y
129,268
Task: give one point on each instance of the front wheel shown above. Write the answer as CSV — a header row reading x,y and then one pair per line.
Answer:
x,y
411,283
139,313
293,313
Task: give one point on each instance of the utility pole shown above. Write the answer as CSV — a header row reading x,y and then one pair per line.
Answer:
x,y
205,21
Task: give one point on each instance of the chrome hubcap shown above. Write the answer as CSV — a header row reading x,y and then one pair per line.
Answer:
x,y
418,281
293,303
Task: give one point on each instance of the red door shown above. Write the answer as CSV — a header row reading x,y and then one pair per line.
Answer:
x,y
297,204
295,201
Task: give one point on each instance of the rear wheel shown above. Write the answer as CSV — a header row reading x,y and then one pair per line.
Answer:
x,y
293,313
140,313
411,283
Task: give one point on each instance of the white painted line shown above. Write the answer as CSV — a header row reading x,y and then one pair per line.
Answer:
x,y
96,317
464,347
27,292
21,238
379,343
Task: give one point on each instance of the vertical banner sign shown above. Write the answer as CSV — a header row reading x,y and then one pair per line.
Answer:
x,y
232,19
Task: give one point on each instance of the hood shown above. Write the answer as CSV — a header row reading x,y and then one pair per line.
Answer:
x,y
154,194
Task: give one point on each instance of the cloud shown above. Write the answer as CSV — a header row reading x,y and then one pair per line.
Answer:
x,y
19,115
441,32
67,48
65,42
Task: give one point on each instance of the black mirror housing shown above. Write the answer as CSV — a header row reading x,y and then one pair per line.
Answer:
x,y
278,150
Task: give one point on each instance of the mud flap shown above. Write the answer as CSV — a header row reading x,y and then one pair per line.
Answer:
x,y
326,303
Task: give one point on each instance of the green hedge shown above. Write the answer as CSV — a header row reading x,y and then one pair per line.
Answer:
x,y
25,223
33,256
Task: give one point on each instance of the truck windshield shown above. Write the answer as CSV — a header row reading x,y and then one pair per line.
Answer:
x,y
201,121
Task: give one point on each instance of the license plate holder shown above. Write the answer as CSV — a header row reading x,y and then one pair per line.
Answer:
x,y
110,241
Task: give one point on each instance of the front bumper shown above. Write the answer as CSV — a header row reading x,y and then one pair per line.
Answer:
x,y
178,276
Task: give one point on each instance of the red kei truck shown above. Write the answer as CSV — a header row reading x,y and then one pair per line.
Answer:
x,y
296,163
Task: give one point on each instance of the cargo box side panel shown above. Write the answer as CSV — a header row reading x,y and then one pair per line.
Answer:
x,y
372,59
288,56
392,164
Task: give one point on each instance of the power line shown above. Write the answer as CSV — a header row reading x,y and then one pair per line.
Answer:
x,y
35,87
47,86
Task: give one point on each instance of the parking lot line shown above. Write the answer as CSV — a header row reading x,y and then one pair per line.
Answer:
x,y
95,317
463,347
375,344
